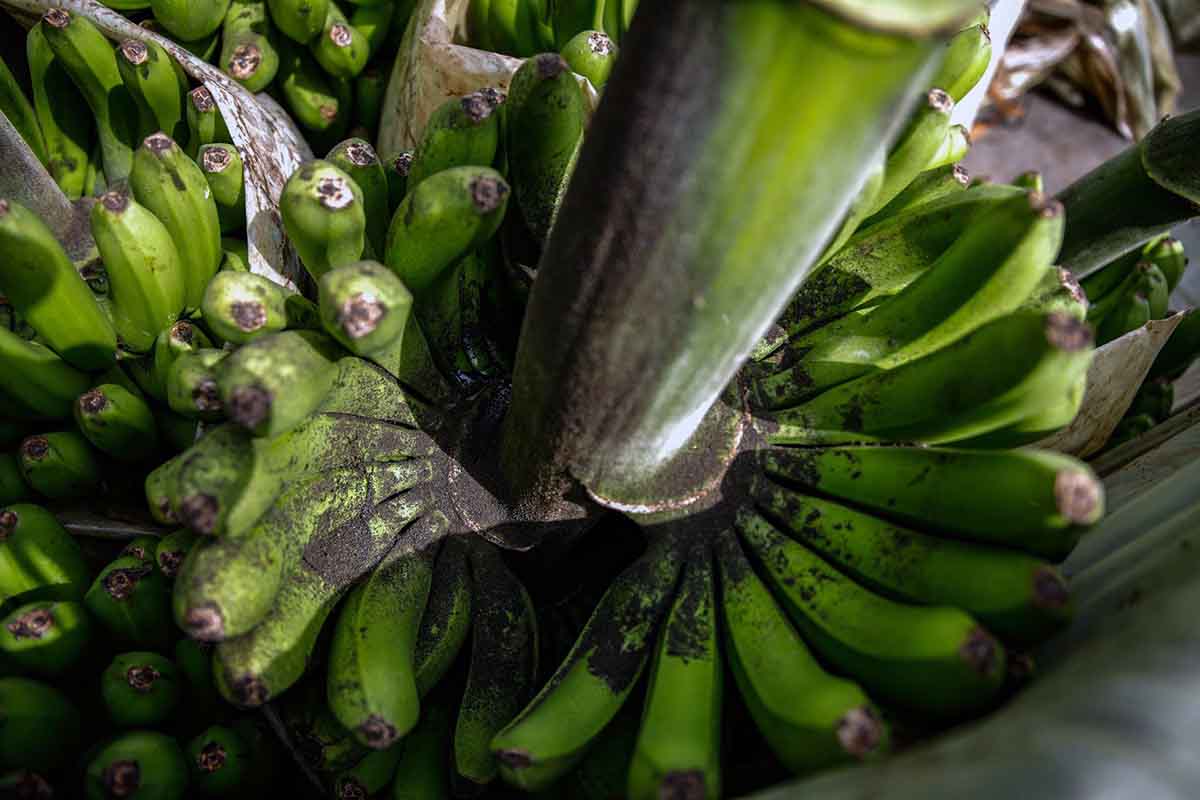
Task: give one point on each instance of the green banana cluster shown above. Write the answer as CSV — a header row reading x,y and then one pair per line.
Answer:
x,y
524,28
1134,289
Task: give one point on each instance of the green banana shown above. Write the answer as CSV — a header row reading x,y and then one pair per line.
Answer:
x,y
172,550
241,307
274,383
1035,500
503,667
311,95
930,185
422,773
1130,312
358,159
178,432
447,617
194,660
997,374
591,54
300,20
479,34
881,261
192,385
12,485
248,53
56,103
954,148
142,548
461,132
369,91
988,272
371,775
146,277
1058,291
117,422
371,686
157,85
571,17
967,57
60,465
205,123
1103,282
15,106
190,20
45,638
442,219
236,256
1018,597
397,168
809,718
41,727
914,152
374,22
342,50
252,669
545,120
932,659
220,762
1168,255
173,187
324,215
131,600
138,764
39,560
328,746
35,382
552,733
678,750
39,281
140,689
222,167
92,64
364,306
182,337
512,28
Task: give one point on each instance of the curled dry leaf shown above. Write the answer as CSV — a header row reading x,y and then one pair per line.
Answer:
x,y
433,65
271,146
1114,378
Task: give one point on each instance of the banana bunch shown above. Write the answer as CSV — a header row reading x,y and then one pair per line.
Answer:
x,y
89,656
524,28
1134,289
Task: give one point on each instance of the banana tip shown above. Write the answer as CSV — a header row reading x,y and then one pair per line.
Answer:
x,y
92,402
115,201
215,158
488,194
35,448
183,332
199,513
361,154
33,624
599,43
122,778
121,583
250,692
334,192
401,164
211,758
245,61
351,789
684,785
8,523
248,315
478,106
1067,334
169,562
206,397
979,651
142,677
515,758
550,65
57,18
1078,496
340,35
202,99
1049,589
940,100
158,142
378,733
250,406
135,52
860,731
360,315
5,207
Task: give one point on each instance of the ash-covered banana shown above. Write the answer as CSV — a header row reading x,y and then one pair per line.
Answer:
x,y
324,214
447,618
365,307
173,187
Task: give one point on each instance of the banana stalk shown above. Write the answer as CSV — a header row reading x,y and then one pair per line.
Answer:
x,y
729,156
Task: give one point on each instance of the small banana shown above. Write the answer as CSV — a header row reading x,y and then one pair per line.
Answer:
x,y
220,762
45,638
60,465
192,387
140,689
591,54
300,20
117,422
56,103
358,159
241,307
39,560
137,763
158,86
918,145
968,54
205,123
341,49
172,550
222,168
462,132
324,215
130,599
41,727
364,306
190,20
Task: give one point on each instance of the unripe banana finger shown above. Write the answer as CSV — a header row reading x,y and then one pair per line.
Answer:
x,y
60,465
117,422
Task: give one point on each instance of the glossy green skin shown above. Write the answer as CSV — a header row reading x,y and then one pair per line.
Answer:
x,y
190,20
324,215
442,219
680,734
60,465
222,167
369,91
800,709
240,307
146,274
461,132
52,651
130,599
173,187
117,422
545,122
161,767
369,288
591,54
342,50
42,284
300,20
553,732
41,727
932,659
90,60
158,86
148,704
67,134
38,558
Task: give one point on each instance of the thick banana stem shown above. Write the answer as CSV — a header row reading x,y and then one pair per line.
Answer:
x,y
1126,201
732,138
